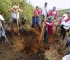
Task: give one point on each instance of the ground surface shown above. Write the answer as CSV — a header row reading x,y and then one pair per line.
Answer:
x,y
26,46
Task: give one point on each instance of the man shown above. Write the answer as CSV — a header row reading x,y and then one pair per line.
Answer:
x,y
35,18
2,31
44,11
66,24
61,20
2,21
54,13
15,10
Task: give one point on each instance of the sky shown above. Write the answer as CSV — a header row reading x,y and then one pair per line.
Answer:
x,y
60,4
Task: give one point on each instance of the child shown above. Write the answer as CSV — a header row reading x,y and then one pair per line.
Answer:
x,y
49,28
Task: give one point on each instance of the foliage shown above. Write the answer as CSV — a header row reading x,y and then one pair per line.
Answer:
x,y
49,58
27,9
61,12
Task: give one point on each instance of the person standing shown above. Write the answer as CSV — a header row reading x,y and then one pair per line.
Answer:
x,y
54,13
66,25
2,29
2,21
44,11
35,18
48,28
15,10
61,20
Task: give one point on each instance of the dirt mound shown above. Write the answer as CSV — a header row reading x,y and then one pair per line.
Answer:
x,y
28,43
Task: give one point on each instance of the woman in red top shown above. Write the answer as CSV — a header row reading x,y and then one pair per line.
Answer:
x,y
49,28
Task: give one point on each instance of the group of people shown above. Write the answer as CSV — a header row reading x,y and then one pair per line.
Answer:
x,y
51,16
64,24
15,10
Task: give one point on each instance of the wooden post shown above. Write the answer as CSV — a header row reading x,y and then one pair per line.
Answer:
x,y
17,19
42,31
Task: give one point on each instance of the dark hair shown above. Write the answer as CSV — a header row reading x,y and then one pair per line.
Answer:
x,y
46,3
36,6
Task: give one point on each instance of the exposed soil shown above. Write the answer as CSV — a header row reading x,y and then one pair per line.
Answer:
x,y
26,46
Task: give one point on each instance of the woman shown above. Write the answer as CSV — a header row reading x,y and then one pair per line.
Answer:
x,y
48,28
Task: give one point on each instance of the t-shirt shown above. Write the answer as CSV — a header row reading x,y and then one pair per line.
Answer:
x,y
53,13
1,17
45,10
14,15
67,21
37,11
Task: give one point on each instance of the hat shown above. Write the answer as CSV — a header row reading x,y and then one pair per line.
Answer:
x,y
50,18
1,17
54,8
68,11
65,15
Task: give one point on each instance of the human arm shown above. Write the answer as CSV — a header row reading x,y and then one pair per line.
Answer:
x,y
50,24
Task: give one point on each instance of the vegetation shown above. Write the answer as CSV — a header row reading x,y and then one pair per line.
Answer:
x,y
61,12
27,8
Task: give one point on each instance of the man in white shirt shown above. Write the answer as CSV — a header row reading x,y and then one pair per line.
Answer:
x,y
2,21
15,10
2,28
45,11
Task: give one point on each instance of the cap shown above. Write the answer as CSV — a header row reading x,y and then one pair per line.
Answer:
x,y
54,8
65,15
1,17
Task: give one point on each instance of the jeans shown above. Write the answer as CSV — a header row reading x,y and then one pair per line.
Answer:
x,y
43,17
3,24
35,20
1,33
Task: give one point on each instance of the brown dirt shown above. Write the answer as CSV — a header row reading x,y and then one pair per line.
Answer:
x,y
26,46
